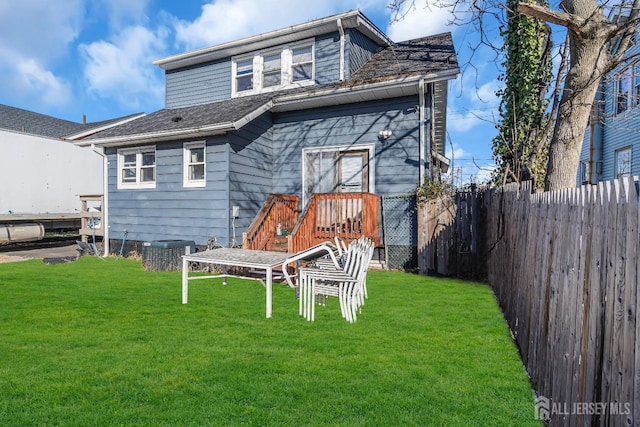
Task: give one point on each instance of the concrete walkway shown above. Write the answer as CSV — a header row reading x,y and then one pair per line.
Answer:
x,y
40,251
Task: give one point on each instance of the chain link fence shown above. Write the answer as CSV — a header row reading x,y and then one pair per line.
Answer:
x,y
400,231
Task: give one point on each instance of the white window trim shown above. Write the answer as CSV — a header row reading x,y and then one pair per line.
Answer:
x,y
629,74
624,75
371,148
186,150
615,160
286,59
138,151
585,175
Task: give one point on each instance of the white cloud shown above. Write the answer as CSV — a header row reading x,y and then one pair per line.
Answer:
x,y
456,153
38,29
121,13
419,19
226,20
32,78
466,167
121,68
33,37
472,103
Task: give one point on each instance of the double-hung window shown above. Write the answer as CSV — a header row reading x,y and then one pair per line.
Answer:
x,y
627,89
280,68
636,84
272,70
302,63
623,162
622,92
194,164
137,167
244,75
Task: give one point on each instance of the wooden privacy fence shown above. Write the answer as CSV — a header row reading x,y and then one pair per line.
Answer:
x,y
564,268
449,235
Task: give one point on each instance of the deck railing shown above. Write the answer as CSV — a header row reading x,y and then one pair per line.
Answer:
x,y
278,209
345,215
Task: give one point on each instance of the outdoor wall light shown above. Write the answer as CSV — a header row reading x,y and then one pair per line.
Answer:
x,y
385,134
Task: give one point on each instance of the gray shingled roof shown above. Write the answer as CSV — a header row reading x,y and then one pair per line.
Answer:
x,y
172,119
19,120
422,56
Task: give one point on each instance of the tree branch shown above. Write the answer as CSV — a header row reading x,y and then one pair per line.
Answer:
x,y
572,22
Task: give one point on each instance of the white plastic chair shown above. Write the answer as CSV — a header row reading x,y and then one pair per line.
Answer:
x,y
323,250
347,283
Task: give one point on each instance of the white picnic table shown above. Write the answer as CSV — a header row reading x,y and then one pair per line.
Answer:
x,y
234,257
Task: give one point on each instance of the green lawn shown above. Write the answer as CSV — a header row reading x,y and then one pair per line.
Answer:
x,y
105,343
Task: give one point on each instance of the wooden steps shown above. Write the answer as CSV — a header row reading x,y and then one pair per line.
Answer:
x,y
278,244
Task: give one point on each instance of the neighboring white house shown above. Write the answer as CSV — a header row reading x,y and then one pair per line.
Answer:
x,y
40,173
43,175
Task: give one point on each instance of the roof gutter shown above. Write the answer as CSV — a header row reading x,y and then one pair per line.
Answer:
x,y
158,136
338,92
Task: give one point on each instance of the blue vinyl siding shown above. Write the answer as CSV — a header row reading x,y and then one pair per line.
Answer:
x,y
327,57
211,82
250,170
396,159
618,130
171,211
360,50
198,84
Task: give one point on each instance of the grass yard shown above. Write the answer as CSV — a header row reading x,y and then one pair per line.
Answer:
x,y
98,342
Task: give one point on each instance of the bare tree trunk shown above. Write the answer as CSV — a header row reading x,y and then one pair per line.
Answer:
x,y
587,66
589,35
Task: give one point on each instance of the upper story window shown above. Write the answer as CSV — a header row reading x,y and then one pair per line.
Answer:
x,y
623,85
137,167
272,71
623,162
194,164
284,67
244,75
636,84
627,89
302,64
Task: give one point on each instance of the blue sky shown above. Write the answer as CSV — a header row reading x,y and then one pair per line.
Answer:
x,y
66,58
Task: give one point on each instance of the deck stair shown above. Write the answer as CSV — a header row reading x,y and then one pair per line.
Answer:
x,y
347,216
278,244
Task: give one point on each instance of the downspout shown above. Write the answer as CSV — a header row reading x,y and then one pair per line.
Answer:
x,y
423,136
105,198
342,44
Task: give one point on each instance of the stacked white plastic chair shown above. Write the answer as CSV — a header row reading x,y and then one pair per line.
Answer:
x,y
348,283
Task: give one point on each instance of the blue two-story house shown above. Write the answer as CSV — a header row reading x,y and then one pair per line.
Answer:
x,y
611,147
330,106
